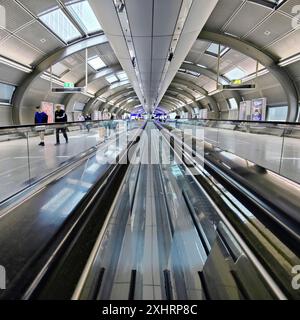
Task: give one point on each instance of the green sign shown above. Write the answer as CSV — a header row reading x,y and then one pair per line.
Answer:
x,y
68,85
236,82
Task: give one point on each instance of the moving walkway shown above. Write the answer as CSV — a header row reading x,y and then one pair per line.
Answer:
x,y
160,226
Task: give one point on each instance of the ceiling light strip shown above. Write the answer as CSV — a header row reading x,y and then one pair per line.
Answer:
x,y
183,14
15,65
124,22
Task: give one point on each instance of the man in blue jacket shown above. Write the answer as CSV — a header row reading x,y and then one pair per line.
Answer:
x,y
41,117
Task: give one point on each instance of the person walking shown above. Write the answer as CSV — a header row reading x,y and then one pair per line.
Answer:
x,y
88,125
60,117
81,118
41,117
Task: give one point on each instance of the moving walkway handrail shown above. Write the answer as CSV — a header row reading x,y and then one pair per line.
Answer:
x,y
55,124
272,145
252,246
239,121
90,214
40,182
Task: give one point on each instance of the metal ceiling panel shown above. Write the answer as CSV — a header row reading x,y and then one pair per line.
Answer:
x,y
39,37
17,50
274,27
179,21
161,47
97,85
16,16
58,69
199,46
140,15
38,6
198,15
209,86
249,65
11,75
165,26
247,18
223,11
204,59
3,35
294,70
289,5
287,46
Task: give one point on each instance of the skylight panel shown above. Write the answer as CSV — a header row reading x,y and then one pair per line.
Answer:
x,y
201,65
213,50
85,16
190,72
269,3
96,63
118,84
122,76
112,78
193,73
59,23
235,74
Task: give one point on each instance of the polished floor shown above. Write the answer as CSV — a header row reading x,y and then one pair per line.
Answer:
x,y
20,164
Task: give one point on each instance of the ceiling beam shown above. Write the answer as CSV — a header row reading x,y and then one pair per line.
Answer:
x,y
181,92
52,59
212,101
213,76
266,59
92,102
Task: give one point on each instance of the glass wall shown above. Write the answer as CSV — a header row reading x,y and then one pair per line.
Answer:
x,y
277,113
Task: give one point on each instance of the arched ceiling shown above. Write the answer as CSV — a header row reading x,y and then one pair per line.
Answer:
x,y
248,30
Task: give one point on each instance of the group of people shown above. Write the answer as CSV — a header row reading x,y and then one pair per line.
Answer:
x,y
83,118
60,116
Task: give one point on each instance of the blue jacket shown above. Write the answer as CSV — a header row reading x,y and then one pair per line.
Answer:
x,y
40,117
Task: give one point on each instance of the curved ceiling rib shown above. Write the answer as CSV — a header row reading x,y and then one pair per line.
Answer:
x,y
170,102
167,105
100,74
175,96
92,102
266,59
211,75
46,64
119,94
125,104
177,102
184,93
211,100
119,103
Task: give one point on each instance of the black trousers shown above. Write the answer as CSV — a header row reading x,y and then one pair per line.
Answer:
x,y
63,130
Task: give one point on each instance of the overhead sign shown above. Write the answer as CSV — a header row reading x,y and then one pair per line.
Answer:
x,y
68,90
69,85
237,87
236,82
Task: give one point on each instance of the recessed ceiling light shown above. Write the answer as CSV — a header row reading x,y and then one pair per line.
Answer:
x,y
43,40
267,32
